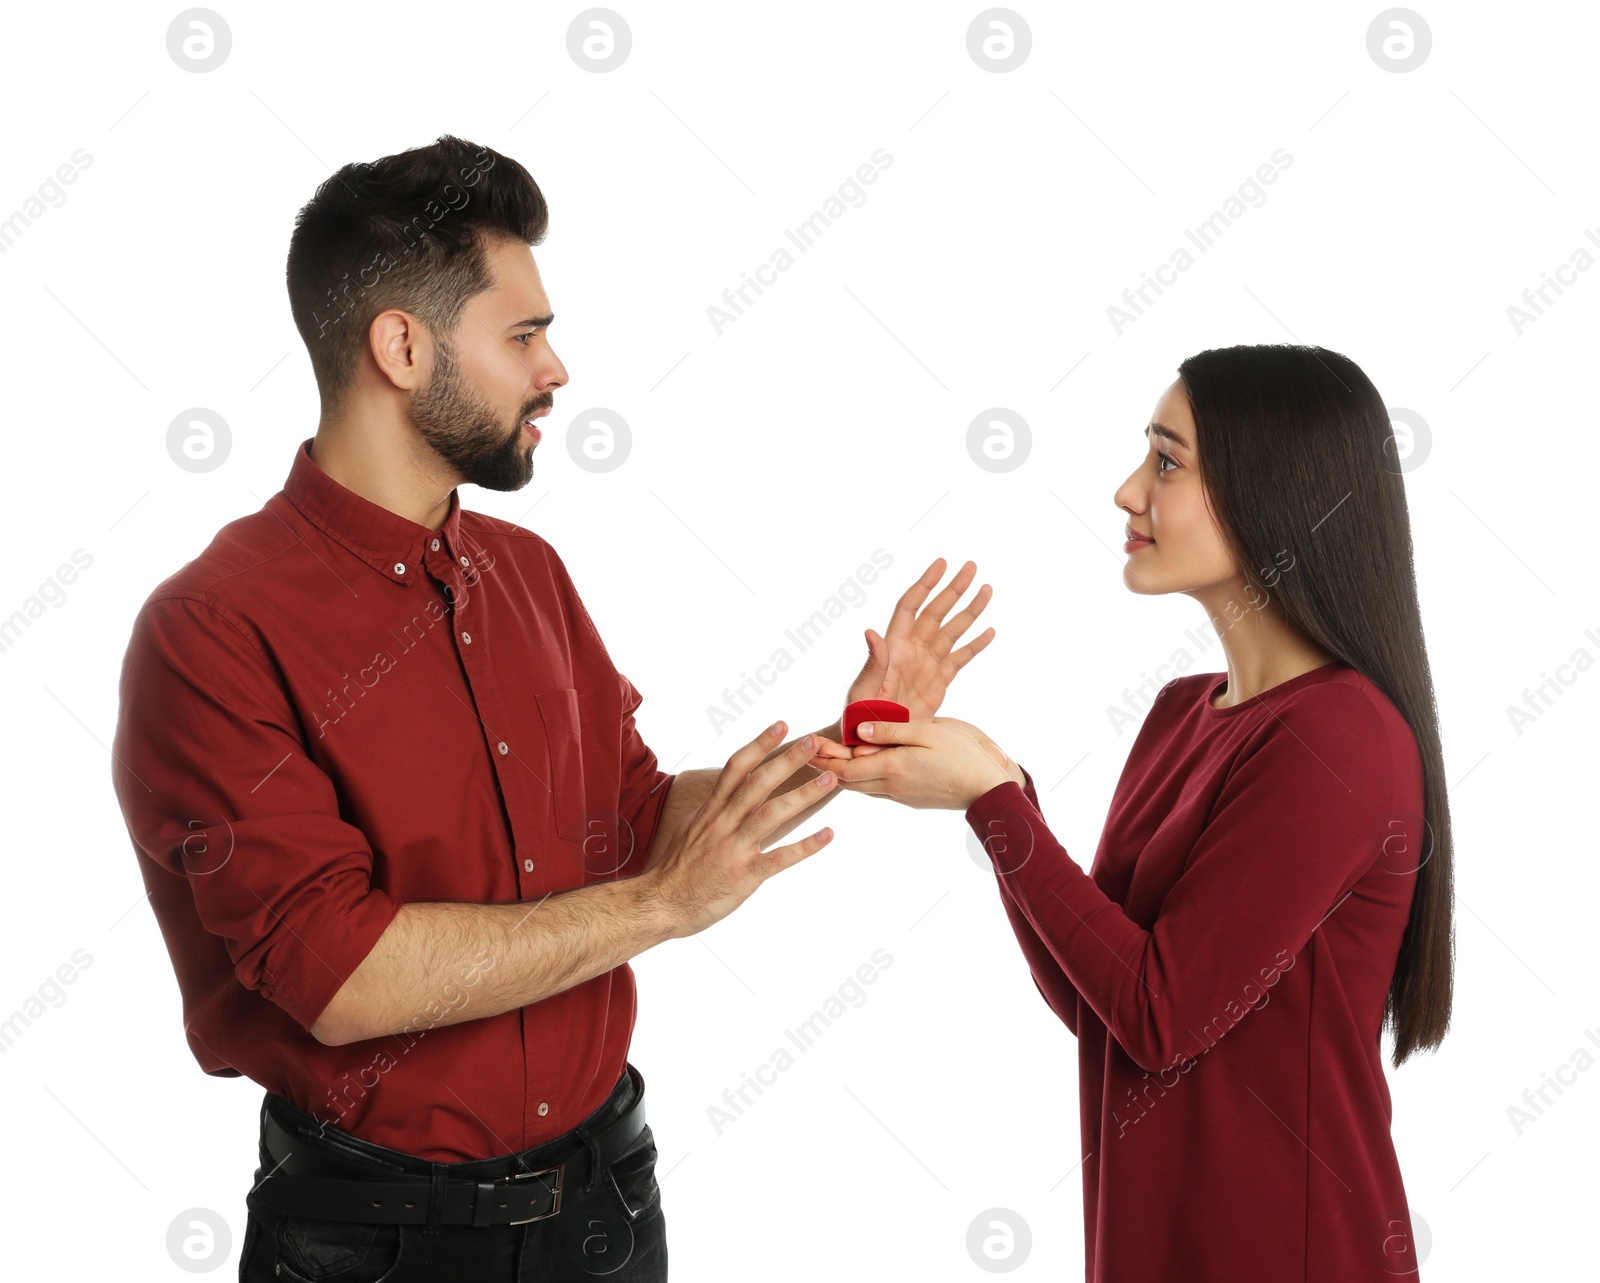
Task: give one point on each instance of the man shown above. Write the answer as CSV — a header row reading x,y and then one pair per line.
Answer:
x,y
386,790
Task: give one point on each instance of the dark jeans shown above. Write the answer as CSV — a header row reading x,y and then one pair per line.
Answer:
x,y
614,1229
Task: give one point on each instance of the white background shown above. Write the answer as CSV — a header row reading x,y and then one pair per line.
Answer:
x,y
768,463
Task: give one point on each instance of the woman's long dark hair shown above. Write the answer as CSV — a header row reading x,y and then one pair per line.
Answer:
x,y
1297,452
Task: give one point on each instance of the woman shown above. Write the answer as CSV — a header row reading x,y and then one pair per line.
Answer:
x,y
1274,878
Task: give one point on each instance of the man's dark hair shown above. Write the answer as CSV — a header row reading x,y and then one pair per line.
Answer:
x,y
405,231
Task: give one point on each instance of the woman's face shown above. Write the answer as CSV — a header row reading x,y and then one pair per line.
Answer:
x,y
1166,505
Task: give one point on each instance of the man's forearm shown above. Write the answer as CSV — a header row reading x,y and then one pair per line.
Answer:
x,y
441,963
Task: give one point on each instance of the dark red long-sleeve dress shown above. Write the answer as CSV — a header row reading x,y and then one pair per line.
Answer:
x,y
1248,897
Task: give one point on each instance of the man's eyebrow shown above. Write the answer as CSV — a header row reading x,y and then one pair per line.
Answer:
x,y
1168,433
538,321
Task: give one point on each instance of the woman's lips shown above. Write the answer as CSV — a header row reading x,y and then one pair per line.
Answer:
x,y
1133,545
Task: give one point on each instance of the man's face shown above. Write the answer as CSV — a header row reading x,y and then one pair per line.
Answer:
x,y
494,370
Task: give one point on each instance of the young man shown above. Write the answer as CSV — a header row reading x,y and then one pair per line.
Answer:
x,y
383,780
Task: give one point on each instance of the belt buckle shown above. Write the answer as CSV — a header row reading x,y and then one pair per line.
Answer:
x,y
560,1171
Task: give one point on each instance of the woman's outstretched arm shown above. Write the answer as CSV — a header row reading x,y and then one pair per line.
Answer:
x,y
1299,821
1048,977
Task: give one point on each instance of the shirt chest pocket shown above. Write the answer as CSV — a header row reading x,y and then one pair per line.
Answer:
x,y
559,709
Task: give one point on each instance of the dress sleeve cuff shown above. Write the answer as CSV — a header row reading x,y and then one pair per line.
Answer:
x,y
1008,800
1001,816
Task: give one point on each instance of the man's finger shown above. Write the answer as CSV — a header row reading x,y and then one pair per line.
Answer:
x,y
763,779
785,805
932,617
905,610
958,623
742,761
961,658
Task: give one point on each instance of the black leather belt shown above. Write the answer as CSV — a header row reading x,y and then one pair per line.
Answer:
x,y
310,1179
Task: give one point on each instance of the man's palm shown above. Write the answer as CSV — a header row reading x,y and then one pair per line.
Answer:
x,y
913,663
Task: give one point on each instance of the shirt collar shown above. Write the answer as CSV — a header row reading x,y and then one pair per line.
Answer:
x,y
385,540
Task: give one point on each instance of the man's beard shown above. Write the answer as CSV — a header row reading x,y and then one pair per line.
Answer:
x,y
467,434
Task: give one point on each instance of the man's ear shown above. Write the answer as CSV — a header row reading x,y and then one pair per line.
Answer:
x,y
401,348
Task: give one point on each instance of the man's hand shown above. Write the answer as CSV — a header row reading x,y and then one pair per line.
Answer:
x,y
713,861
913,663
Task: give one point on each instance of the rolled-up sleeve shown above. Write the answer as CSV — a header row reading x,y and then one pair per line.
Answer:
x,y
216,786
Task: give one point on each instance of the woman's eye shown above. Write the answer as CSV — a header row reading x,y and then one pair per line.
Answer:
x,y
1164,458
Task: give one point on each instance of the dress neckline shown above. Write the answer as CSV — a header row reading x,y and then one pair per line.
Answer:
x,y
1311,676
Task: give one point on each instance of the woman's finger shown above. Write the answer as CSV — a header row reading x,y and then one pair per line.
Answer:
x,y
921,734
828,748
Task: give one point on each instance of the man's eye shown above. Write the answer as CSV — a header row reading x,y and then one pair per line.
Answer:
x,y
528,335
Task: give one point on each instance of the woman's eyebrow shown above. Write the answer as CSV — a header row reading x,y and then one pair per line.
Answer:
x,y
1168,433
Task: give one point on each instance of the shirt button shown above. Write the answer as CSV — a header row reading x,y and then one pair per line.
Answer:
x,y
527,866
502,747
399,567
436,545
465,562
544,1108
467,637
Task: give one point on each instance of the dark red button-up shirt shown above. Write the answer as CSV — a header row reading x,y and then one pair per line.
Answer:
x,y
333,711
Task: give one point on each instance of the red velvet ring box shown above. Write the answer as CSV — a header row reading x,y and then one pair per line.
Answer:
x,y
869,710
